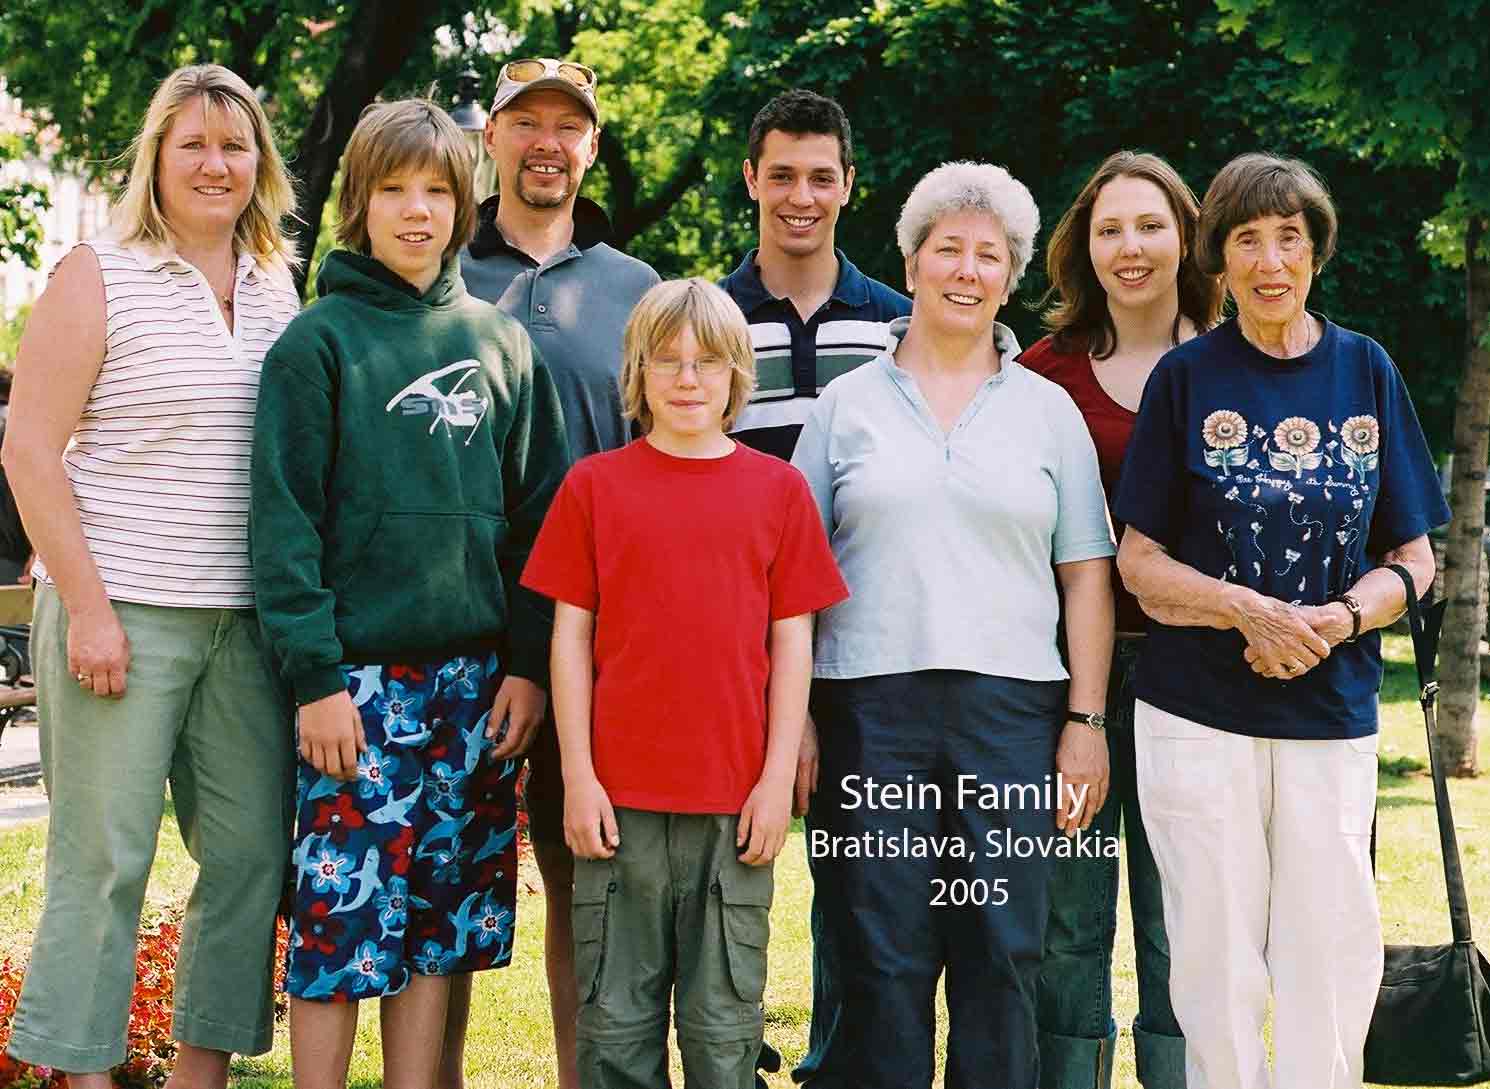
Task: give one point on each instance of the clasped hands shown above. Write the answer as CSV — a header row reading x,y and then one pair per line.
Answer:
x,y
1286,641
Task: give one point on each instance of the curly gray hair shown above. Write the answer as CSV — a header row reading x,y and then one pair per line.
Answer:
x,y
968,186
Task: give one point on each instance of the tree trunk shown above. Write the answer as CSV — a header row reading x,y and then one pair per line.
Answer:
x,y
380,38
253,30
630,217
1464,622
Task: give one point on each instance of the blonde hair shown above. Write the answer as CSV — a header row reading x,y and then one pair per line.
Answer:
x,y
718,326
394,136
137,215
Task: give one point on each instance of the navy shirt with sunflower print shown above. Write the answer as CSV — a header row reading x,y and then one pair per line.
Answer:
x,y
1288,476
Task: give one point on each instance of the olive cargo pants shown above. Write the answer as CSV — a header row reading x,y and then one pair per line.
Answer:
x,y
674,914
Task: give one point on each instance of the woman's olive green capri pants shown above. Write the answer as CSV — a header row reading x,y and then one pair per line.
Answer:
x,y
203,712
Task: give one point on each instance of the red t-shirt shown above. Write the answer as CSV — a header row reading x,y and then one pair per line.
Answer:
x,y
685,563
1111,426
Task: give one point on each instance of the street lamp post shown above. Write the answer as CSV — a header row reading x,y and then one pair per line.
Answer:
x,y
470,118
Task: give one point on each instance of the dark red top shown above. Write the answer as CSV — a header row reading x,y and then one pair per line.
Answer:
x,y
1111,426
686,562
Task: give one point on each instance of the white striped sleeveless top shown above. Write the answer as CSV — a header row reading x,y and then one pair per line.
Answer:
x,y
159,462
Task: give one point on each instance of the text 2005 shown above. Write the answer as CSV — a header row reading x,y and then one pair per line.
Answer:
x,y
960,892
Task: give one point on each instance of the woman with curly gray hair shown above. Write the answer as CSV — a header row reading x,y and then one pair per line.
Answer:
x,y
962,498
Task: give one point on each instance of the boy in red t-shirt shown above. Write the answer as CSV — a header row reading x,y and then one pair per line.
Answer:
x,y
686,568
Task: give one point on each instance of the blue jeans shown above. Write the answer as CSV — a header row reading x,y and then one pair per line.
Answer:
x,y
1077,1032
825,982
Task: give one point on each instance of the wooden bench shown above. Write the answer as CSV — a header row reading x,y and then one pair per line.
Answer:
x,y
15,605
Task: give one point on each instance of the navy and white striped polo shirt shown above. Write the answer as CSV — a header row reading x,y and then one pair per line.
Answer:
x,y
795,359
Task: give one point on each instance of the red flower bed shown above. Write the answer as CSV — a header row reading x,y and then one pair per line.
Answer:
x,y
150,1047
522,810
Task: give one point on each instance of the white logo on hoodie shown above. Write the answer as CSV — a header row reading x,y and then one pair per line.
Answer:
x,y
457,408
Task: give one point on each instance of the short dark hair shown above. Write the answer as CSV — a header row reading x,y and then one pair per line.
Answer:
x,y
1259,184
801,112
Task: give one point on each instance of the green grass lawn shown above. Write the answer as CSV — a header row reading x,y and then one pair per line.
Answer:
x,y
510,1044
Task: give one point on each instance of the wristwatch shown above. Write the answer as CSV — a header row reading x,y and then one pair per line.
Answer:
x,y
1354,607
1095,719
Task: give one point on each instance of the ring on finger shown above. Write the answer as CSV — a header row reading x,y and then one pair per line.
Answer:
x,y
85,679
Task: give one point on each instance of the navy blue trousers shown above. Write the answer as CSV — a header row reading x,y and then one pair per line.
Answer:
x,y
889,939
1077,1032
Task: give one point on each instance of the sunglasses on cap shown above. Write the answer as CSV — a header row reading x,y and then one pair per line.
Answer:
x,y
535,68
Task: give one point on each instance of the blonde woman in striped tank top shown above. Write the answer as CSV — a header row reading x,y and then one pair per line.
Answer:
x,y
128,448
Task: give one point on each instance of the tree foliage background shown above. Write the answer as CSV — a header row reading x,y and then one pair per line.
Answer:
x,y
1046,89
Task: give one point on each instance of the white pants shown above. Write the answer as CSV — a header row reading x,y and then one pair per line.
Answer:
x,y
1263,849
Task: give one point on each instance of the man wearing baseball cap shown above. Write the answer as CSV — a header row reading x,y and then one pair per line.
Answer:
x,y
540,254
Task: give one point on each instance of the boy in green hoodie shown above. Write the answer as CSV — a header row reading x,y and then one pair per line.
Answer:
x,y
407,444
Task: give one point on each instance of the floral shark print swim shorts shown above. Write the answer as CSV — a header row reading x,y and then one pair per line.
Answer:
x,y
411,867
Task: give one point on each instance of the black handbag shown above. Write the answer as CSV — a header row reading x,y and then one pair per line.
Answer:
x,y
1431,1025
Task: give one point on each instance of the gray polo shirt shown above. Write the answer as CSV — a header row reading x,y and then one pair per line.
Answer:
x,y
947,541
575,306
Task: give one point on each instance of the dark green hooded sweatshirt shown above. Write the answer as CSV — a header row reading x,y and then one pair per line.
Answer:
x,y
406,448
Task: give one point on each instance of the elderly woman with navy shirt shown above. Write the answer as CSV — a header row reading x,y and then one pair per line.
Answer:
x,y
962,498
1276,469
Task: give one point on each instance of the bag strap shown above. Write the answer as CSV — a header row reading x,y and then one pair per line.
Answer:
x,y
1426,626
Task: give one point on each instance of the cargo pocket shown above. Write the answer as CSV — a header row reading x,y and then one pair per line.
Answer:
x,y
593,888
1180,766
745,907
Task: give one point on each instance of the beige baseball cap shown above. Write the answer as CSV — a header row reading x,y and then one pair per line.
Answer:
x,y
546,73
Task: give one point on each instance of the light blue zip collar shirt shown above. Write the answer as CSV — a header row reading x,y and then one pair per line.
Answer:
x,y
947,540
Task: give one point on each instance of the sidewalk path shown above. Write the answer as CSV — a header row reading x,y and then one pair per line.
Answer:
x,y
20,746
21,804
21,796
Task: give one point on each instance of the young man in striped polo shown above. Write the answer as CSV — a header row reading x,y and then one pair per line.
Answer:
x,y
813,316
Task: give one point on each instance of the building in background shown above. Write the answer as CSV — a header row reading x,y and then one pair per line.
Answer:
x,y
79,209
